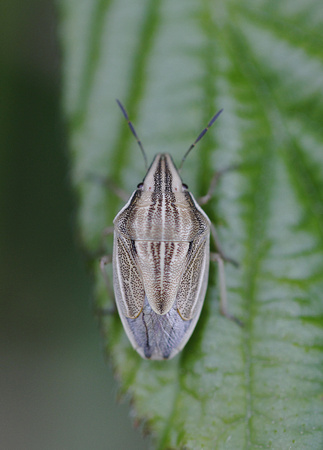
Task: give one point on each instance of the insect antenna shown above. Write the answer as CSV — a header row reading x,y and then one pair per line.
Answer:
x,y
200,136
133,131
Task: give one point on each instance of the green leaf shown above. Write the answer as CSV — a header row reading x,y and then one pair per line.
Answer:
x,y
174,64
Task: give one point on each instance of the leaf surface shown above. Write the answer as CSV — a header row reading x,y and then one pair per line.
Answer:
x,y
173,65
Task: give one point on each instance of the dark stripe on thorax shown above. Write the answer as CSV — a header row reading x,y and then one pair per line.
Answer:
x,y
158,181
168,178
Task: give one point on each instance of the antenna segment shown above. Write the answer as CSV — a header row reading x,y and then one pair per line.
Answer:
x,y
200,136
133,131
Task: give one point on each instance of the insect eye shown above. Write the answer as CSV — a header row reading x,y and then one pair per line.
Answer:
x,y
140,185
185,186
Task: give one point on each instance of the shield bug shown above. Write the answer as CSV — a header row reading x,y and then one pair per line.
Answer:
x,y
161,256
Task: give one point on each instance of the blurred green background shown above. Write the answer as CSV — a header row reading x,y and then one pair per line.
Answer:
x,y
56,390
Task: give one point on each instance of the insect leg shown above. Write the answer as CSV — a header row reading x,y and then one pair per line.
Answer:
x,y
219,248
223,289
107,231
120,193
105,181
214,181
103,262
